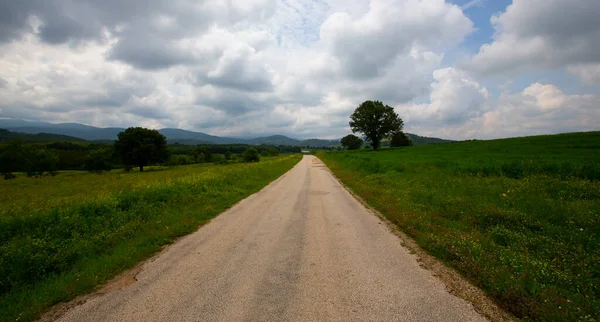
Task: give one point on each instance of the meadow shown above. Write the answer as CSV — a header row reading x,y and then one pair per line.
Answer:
x,y
518,217
63,236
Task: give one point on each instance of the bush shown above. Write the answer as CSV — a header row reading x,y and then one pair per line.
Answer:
x,y
250,155
351,142
400,139
273,151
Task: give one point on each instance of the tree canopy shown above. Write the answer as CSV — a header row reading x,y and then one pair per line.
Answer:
x,y
375,121
351,142
140,147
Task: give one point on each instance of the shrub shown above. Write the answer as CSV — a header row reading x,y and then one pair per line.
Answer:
x,y
351,142
250,155
400,139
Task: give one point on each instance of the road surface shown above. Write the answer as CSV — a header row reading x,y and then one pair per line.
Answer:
x,y
302,249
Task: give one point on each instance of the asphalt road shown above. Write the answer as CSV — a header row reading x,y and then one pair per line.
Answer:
x,y
302,249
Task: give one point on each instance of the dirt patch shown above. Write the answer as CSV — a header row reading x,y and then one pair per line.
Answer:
x,y
123,280
455,283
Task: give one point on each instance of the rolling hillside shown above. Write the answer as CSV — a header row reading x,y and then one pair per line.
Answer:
x,y
72,131
6,135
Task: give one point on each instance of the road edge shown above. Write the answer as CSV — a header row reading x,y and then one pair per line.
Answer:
x,y
129,276
455,283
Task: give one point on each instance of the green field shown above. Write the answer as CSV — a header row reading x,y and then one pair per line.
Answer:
x,y
519,217
62,236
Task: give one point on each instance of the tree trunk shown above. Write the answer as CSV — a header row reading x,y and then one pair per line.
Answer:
x,y
375,142
141,168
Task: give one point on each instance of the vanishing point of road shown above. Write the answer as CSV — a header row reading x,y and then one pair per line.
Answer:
x,y
301,249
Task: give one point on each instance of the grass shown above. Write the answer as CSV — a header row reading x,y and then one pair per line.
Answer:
x,y
519,217
63,236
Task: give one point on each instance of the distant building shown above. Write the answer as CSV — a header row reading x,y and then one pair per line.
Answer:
x,y
305,151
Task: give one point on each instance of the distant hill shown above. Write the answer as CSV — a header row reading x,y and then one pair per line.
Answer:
x,y
6,135
76,131
422,140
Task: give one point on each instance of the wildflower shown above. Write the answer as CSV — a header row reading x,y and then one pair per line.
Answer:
x,y
504,195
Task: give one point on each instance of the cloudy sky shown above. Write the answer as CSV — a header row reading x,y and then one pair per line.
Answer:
x,y
455,69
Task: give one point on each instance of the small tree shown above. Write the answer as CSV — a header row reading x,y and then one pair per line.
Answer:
x,y
273,151
99,161
250,155
375,121
400,139
140,147
351,142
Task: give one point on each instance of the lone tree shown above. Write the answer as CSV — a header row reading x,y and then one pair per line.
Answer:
x,y
138,146
376,121
400,139
351,142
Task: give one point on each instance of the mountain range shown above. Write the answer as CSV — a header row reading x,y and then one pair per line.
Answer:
x,y
109,134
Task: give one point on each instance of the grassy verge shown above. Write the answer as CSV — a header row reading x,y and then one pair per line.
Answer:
x,y
63,236
519,217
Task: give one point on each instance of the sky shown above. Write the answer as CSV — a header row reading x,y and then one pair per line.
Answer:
x,y
462,69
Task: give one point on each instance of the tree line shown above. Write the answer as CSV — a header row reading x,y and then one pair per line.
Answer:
x,y
134,147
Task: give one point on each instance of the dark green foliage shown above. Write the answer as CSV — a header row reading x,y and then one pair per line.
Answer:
x,y
42,161
99,161
400,139
201,154
34,161
219,158
520,217
140,147
375,121
264,153
13,158
351,142
250,155
273,151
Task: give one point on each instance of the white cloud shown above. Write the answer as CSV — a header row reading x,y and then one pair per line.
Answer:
x,y
588,73
540,34
538,109
455,98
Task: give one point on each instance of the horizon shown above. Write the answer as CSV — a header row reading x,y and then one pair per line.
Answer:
x,y
293,137
458,70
